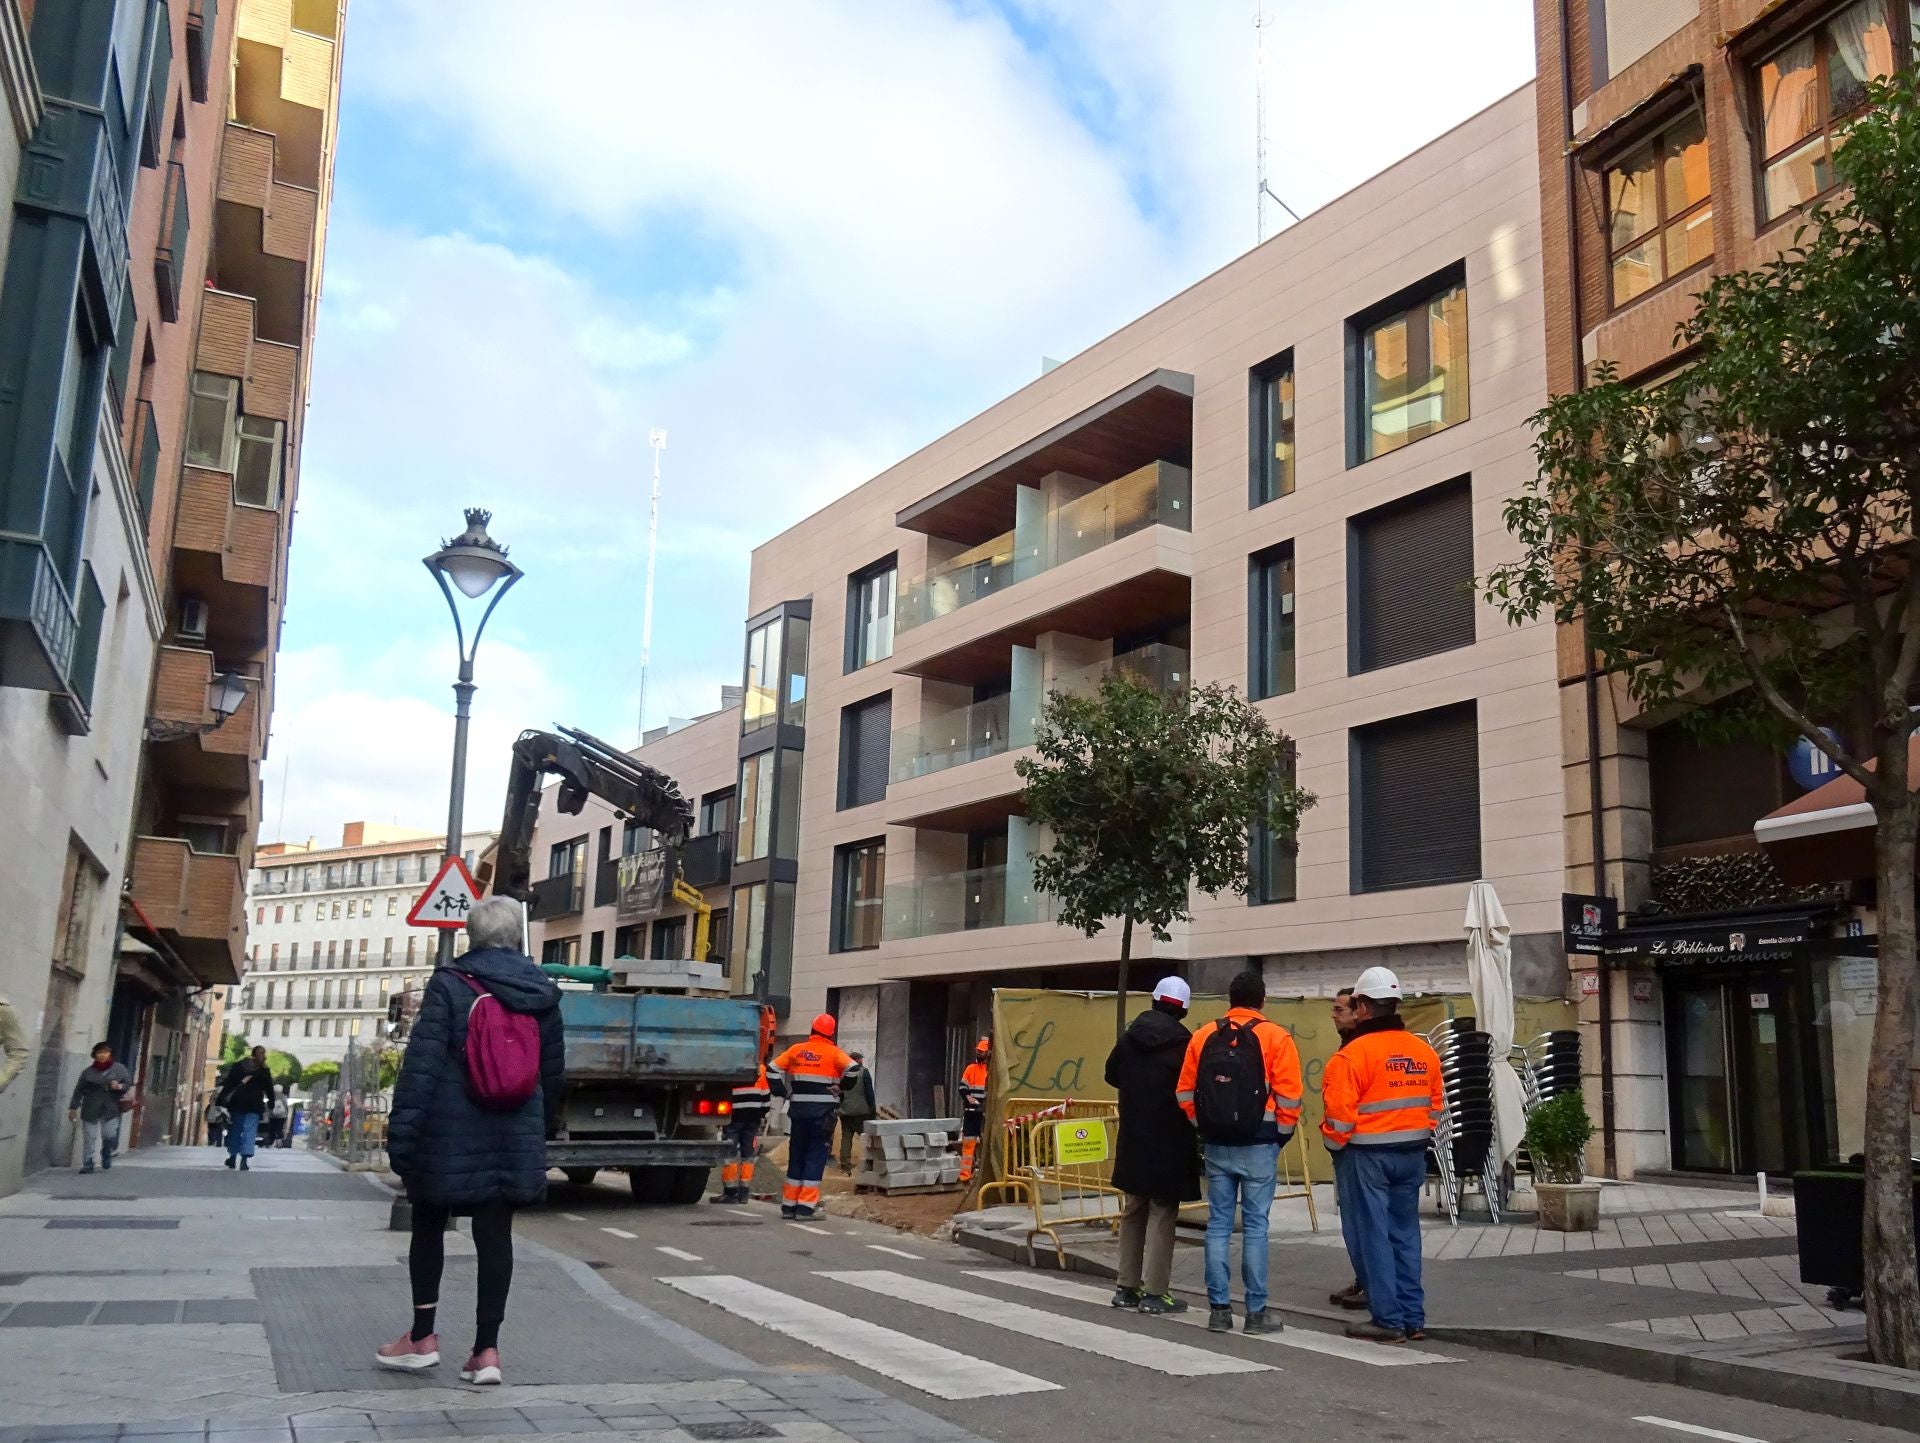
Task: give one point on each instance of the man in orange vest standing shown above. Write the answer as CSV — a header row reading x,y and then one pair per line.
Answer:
x,y
973,1107
1382,1092
808,1074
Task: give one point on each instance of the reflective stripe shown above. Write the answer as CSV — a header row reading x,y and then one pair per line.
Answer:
x,y
1286,1101
1339,1126
1373,1139
1334,1144
1389,1104
1183,1097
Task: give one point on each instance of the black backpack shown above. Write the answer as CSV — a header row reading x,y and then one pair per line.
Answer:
x,y
1230,1091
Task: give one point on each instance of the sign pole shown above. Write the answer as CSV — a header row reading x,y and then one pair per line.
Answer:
x,y
462,710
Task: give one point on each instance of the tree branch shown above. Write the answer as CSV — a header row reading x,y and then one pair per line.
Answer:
x,y
1810,729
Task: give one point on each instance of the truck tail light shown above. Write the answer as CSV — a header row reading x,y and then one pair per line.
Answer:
x,y
723,1109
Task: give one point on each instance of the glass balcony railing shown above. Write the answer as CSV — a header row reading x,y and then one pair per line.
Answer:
x,y
961,902
1007,723
1158,494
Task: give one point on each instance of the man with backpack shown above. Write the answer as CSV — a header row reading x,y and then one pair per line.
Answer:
x,y
1241,1085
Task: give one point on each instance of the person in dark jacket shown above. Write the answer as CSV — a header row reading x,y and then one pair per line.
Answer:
x,y
458,1158
856,1106
1157,1162
247,1095
1354,1295
95,1104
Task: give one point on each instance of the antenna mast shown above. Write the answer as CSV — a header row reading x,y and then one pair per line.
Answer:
x,y
1262,192
656,438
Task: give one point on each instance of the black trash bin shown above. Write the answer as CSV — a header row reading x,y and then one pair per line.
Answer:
x,y
1829,1207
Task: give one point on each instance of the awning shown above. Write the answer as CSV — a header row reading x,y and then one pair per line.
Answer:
x,y
1736,940
1827,835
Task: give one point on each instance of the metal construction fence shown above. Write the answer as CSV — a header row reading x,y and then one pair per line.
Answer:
x,y
347,1114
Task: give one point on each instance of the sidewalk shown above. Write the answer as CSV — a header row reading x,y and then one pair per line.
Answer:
x,y
1690,1285
244,1308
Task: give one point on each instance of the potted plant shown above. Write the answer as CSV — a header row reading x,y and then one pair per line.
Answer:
x,y
1557,1133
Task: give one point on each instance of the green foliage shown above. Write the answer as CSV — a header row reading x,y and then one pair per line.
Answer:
x,y
233,1047
284,1067
390,1067
1557,1133
323,1071
1149,795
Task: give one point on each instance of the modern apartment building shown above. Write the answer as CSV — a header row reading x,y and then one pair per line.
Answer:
x,y
1285,478
1679,139
328,941
155,315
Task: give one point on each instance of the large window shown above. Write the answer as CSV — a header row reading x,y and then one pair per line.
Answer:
x,y
870,614
1660,210
760,704
256,469
1272,431
866,734
1812,86
560,952
1410,577
1272,860
745,951
567,859
755,836
212,402
716,813
1411,356
1270,621
1414,800
859,881
670,938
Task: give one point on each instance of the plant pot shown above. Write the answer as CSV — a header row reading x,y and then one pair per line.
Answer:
x,y
1568,1207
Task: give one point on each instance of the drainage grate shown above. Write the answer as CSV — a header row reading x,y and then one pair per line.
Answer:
x,y
117,1224
728,1430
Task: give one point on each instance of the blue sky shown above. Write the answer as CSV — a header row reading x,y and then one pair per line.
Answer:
x,y
805,238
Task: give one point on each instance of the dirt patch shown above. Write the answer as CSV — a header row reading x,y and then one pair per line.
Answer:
x,y
921,1213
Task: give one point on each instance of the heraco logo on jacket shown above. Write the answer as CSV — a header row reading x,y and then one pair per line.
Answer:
x,y
1407,1066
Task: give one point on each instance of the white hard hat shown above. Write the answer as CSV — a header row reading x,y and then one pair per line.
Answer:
x,y
1172,989
1377,982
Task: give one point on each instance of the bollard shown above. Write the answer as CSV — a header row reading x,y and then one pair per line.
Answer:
x,y
400,1216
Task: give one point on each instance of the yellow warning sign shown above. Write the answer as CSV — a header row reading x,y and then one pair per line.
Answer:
x,y
1080,1140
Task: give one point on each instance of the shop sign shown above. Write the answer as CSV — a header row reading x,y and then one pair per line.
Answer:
x,y
1759,941
1585,922
1641,989
1589,984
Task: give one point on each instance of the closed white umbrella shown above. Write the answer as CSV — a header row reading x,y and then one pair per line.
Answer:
x,y
1490,980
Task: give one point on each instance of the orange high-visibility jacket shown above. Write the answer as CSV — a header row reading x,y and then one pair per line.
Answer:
x,y
808,1074
1383,1087
1284,1087
751,1099
973,1087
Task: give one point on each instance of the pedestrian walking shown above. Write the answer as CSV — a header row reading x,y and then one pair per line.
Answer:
x,y
1157,1157
477,1096
100,1095
808,1074
857,1104
973,1106
13,1043
216,1122
751,1101
1382,1093
1354,1295
1240,1083
276,1119
247,1096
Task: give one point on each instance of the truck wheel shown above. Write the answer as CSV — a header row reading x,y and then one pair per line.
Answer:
x,y
581,1176
652,1186
689,1184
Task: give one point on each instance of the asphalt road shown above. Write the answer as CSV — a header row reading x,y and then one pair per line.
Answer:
x,y
1019,1355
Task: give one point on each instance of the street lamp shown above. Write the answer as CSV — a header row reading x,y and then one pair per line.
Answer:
x,y
474,564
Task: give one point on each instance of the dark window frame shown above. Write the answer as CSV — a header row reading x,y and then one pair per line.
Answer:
x,y
845,797
1447,278
1262,840
1360,881
1362,657
1260,458
851,659
1660,144
1264,665
845,857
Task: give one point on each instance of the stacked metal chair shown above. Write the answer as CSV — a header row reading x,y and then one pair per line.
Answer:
x,y
1548,1066
1465,1145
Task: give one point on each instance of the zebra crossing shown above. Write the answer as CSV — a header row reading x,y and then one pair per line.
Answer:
x,y
826,1319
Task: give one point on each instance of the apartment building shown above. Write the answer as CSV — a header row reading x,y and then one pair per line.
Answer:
x,y
1284,478
328,942
146,530
1728,1031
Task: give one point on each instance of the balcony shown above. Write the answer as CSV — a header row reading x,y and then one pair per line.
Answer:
x,y
230,345
561,896
707,861
267,231
196,901
170,256
196,748
967,901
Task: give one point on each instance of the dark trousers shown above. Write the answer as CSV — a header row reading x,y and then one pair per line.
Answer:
x,y
492,1240
1349,1208
1386,1184
807,1148
849,1130
742,1133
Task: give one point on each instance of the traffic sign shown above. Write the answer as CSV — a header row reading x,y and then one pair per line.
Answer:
x,y
1808,765
448,899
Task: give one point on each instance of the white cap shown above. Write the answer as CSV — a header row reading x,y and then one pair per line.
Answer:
x,y
1172,989
1377,982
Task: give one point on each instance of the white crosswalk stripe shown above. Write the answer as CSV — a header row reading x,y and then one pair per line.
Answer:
x,y
897,1252
1142,1349
1354,1350
905,1359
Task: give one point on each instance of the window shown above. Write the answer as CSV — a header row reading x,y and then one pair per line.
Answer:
x,y
1271,407
716,813
793,706
212,402
1659,210
1414,800
286,1027
393,906
412,944
336,911
670,938
273,958
630,940
1411,356
597,950
307,1028
331,947
870,614
756,808
272,987
1810,88
866,735
366,906
280,914
256,473
718,935
635,839
259,915
762,688
560,951
363,951
386,949
298,907
1270,622
1410,577
1272,860
786,806
859,882
745,952
350,907
326,993
339,1027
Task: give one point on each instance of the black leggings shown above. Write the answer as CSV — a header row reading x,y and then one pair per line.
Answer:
x,y
492,1240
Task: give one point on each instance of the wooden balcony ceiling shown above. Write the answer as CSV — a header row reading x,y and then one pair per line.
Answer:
x,y
977,814
1150,420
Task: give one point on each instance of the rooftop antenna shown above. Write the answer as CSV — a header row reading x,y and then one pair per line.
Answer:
x,y
1262,191
656,438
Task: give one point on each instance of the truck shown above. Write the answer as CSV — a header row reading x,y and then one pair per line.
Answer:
x,y
650,1072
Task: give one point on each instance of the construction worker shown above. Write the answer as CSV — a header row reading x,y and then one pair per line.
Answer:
x,y
1383,1095
1354,1295
808,1074
745,1123
973,1107
1240,1084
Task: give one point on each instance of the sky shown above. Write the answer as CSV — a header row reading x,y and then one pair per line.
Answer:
x,y
803,237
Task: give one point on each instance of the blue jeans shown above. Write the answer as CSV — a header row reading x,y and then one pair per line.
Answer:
x,y
1247,1174
1349,1208
1385,1184
241,1132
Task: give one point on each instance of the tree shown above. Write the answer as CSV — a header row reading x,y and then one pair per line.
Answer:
x,y
1744,534
1147,796
284,1068
321,1071
233,1047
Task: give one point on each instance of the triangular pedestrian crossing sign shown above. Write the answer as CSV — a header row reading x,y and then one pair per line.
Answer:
x,y
449,897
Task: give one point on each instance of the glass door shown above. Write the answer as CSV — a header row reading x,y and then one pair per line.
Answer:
x,y
1765,1015
1701,1072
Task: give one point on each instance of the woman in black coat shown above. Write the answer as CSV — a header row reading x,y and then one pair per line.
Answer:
x,y
1157,1161
457,1157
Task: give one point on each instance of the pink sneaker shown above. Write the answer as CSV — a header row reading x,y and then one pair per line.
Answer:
x,y
483,1368
407,1355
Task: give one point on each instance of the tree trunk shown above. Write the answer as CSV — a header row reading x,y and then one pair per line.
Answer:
x,y
1893,1292
1120,982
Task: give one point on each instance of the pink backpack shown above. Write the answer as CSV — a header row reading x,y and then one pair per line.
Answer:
x,y
503,1052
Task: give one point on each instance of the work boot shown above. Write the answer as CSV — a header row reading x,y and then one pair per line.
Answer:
x,y
1219,1320
1158,1305
1127,1297
1261,1322
106,1158
85,1168
789,1213
1352,1296
1373,1332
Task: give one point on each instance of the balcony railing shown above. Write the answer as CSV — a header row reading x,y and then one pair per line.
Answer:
x,y
1007,723
196,898
1160,494
961,902
707,860
560,896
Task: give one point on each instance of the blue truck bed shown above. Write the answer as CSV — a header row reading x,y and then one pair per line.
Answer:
x,y
659,1037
